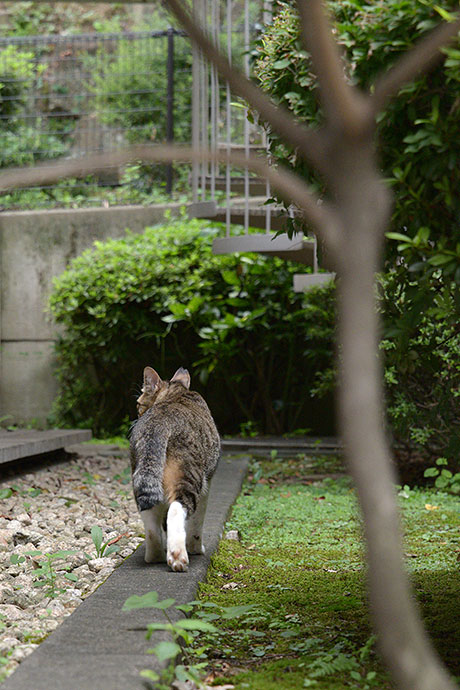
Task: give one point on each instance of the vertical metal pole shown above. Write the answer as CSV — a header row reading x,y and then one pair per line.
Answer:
x,y
204,102
196,108
229,120
170,105
267,19
246,121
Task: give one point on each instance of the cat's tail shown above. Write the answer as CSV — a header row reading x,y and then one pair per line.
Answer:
x,y
148,490
148,454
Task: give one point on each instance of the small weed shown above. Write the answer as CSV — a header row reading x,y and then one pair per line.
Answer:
x,y
90,478
445,479
31,492
47,576
405,491
186,629
124,477
45,573
34,636
249,429
103,549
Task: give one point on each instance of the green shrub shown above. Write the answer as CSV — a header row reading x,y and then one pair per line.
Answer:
x,y
254,348
419,152
26,145
422,362
418,132
17,74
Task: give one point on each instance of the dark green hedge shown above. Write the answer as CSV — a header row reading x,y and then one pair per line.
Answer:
x,y
255,349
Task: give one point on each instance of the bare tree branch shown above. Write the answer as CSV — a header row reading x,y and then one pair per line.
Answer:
x,y
289,185
425,54
308,142
346,108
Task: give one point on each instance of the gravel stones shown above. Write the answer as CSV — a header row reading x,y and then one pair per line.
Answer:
x,y
52,511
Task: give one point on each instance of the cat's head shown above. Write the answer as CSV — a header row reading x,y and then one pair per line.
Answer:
x,y
153,386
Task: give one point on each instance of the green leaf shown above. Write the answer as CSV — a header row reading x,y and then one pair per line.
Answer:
x,y
151,627
441,482
113,548
431,472
442,461
423,234
165,650
177,309
231,277
281,64
398,236
195,624
165,604
440,259
63,553
229,612
96,535
150,675
447,16
71,576
144,601
259,651
5,493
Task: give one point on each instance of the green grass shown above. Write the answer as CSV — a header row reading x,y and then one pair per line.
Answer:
x,y
300,564
120,441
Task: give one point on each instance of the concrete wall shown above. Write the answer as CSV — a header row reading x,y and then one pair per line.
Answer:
x,y
35,246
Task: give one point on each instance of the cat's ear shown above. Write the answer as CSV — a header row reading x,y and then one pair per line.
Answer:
x,y
151,380
181,376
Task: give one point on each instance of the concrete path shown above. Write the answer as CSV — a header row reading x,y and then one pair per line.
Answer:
x,y
99,647
25,443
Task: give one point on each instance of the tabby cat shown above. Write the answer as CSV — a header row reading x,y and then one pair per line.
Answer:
x,y
174,449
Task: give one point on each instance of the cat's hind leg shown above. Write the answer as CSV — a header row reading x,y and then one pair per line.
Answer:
x,y
154,534
195,527
176,553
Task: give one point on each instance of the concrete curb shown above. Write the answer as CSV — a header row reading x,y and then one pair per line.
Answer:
x,y
26,443
101,648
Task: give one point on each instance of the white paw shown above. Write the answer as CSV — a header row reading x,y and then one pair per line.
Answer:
x,y
178,560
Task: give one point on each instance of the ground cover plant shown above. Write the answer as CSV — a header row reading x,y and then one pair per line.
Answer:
x,y
299,567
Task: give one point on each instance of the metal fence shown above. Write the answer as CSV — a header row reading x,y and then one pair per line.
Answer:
x,y
74,95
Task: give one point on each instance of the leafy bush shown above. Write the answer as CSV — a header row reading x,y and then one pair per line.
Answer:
x,y
419,146
162,298
422,357
419,151
26,145
17,74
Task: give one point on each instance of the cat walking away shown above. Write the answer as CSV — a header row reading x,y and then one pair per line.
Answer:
x,y
174,449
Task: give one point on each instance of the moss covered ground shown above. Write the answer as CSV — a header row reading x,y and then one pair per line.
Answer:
x,y
298,572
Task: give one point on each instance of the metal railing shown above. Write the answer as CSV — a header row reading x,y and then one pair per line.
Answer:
x,y
221,120
74,95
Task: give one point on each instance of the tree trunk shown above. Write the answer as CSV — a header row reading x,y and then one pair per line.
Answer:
x,y
403,641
